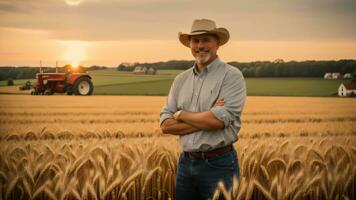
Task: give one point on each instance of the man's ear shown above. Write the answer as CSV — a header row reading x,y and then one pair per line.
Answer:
x,y
217,42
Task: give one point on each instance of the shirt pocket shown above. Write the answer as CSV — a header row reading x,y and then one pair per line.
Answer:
x,y
214,95
184,100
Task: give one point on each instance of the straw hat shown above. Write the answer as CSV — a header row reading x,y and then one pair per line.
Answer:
x,y
204,26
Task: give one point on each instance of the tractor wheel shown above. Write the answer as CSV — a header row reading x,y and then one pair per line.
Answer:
x,y
83,86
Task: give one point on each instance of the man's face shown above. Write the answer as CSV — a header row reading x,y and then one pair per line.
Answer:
x,y
204,48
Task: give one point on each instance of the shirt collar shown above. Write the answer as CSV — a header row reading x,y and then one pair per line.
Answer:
x,y
210,67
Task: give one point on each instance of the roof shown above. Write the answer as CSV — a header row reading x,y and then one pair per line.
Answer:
x,y
350,86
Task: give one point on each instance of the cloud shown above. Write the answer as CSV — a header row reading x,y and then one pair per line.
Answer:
x,y
96,20
14,6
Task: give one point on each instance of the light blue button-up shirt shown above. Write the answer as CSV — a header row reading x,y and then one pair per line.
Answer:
x,y
197,92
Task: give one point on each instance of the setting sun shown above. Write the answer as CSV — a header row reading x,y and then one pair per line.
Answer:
x,y
75,52
74,64
73,2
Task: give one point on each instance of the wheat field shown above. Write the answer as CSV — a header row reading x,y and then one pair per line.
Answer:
x,y
110,147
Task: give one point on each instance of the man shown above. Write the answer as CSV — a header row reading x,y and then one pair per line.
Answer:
x,y
204,107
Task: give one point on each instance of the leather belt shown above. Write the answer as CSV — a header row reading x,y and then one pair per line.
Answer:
x,y
209,154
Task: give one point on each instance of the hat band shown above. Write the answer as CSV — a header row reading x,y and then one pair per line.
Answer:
x,y
199,31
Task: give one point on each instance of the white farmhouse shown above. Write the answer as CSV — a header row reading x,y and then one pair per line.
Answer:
x,y
347,75
152,71
336,76
328,76
145,70
346,89
140,70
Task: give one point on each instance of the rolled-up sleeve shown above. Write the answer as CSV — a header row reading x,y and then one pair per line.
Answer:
x,y
233,91
170,106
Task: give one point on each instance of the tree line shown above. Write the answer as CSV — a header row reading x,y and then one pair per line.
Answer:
x,y
295,69
13,73
278,68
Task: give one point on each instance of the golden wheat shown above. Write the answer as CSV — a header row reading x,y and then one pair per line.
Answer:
x,y
74,148
95,171
49,117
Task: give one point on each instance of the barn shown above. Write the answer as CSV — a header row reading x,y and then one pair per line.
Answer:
x,y
346,89
144,70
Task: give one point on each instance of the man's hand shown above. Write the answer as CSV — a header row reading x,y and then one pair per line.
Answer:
x,y
176,115
174,127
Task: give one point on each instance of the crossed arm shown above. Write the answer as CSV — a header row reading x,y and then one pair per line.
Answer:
x,y
188,122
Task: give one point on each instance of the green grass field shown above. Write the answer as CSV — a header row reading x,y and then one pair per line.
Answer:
x,y
113,71
292,87
113,82
17,82
255,87
169,72
155,87
125,84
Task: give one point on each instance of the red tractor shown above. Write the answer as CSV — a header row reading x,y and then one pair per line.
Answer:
x,y
70,83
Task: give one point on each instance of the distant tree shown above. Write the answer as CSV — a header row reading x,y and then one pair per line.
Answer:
x,y
70,68
259,71
353,77
95,67
120,68
10,82
126,66
79,69
352,94
245,72
67,68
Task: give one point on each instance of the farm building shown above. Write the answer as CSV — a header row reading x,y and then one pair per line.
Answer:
x,y
144,70
332,76
345,89
336,75
328,76
151,70
140,70
347,75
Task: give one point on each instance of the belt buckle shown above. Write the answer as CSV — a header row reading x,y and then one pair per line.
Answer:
x,y
203,155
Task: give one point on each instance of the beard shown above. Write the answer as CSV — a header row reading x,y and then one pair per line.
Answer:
x,y
202,58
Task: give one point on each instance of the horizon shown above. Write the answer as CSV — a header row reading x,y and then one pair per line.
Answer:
x,y
92,32
284,61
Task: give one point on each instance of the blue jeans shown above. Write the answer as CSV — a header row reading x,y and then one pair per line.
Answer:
x,y
198,178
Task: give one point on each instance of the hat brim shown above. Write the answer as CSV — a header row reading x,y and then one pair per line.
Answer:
x,y
221,33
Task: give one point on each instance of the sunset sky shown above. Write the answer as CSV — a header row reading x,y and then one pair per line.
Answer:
x,y
108,32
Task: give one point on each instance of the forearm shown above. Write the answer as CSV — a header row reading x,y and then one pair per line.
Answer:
x,y
174,127
201,120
